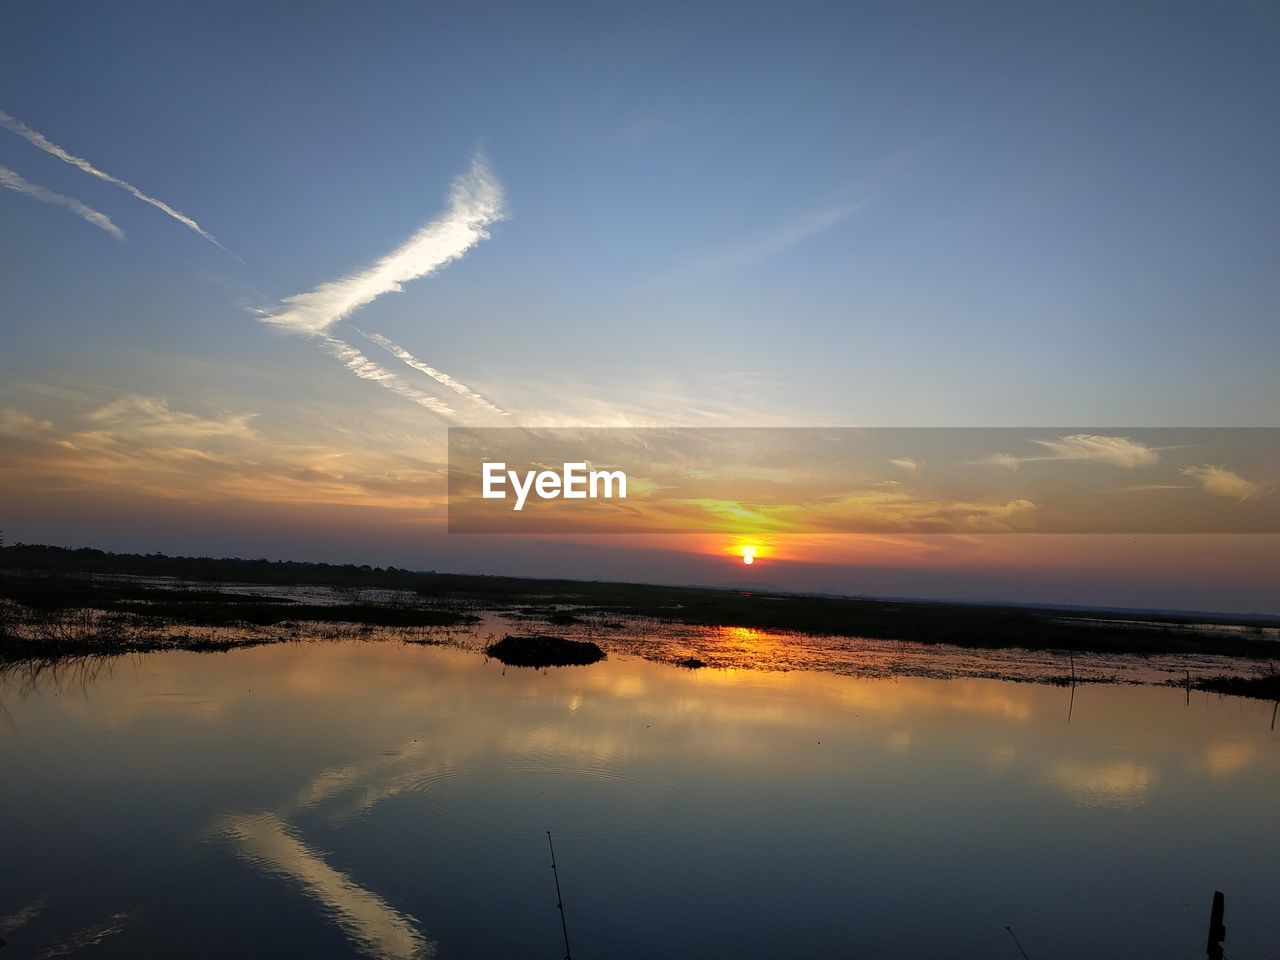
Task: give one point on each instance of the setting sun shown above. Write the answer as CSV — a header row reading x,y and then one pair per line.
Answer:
x,y
748,555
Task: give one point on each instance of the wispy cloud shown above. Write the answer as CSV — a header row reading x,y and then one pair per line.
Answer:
x,y
141,416
147,446
1121,452
439,376
1145,488
1006,460
906,465
13,181
1222,482
474,203
15,423
783,237
366,369
38,139
1115,451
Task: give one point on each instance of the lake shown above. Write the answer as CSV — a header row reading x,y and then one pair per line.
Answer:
x,y
391,800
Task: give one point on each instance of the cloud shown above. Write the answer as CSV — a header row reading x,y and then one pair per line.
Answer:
x,y
1145,488
1115,451
144,446
15,423
784,237
136,415
1224,483
474,203
39,140
1087,447
439,376
366,369
100,220
1006,460
906,465
881,509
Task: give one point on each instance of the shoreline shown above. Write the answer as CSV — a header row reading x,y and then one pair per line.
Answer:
x,y
59,604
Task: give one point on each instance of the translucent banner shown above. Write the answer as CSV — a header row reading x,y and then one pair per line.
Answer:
x,y
859,480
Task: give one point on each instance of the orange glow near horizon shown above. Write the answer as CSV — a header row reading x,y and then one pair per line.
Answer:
x,y
748,550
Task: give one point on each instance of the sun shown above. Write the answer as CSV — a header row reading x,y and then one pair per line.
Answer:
x,y
749,549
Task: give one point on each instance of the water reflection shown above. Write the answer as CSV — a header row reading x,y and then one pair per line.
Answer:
x,y
373,926
316,798
1228,758
1116,783
21,916
90,936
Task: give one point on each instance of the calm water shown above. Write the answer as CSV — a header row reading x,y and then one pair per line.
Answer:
x,y
385,800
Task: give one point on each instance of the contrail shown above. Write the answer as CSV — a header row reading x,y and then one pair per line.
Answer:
x,y
439,376
100,220
41,141
474,203
366,369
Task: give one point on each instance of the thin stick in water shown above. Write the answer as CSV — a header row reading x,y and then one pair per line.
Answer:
x,y
564,926
1017,943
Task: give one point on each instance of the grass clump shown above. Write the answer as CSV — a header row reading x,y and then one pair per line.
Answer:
x,y
1263,686
541,650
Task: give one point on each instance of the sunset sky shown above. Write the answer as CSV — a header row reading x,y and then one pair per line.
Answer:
x,y
253,264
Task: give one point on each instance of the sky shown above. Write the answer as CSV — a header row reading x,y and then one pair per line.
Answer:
x,y
253,264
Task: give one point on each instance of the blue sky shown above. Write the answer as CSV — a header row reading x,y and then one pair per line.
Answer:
x,y
898,214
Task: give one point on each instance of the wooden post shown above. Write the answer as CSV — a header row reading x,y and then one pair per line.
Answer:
x,y
1217,932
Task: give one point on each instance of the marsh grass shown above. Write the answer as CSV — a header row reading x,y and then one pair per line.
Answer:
x,y
1263,685
544,650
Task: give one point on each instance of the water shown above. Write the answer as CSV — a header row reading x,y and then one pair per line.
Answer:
x,y
379,799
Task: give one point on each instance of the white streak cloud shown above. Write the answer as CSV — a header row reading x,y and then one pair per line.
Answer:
x,y
906,464
779,240
1222,482
366,369
1006,460
1121,452
1115,451
141,416
38,139
474,203
439,376
14,181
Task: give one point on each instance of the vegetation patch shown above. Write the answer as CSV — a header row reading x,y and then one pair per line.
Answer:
x,y
1265,686
563,618
541,650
